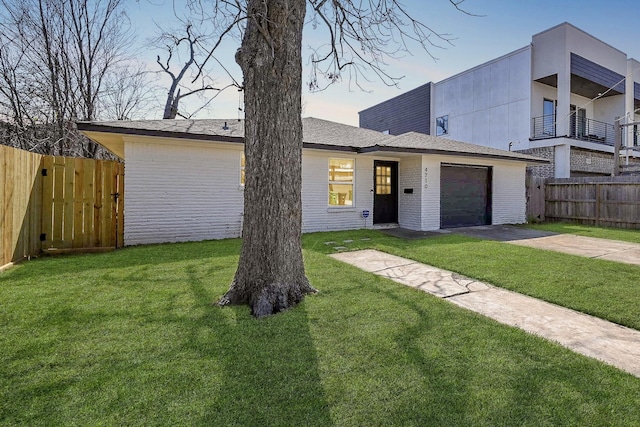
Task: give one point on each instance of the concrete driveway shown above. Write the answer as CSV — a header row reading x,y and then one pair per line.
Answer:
x,y
590,247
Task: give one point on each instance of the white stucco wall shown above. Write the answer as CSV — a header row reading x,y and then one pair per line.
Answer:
x,y
603,109
552,50
607,109
490,104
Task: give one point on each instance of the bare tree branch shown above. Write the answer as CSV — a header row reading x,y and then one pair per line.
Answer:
x,y
363,35
193,42
55,56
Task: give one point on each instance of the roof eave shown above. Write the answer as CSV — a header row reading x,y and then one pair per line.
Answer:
x,y
375,148
92,127
329,147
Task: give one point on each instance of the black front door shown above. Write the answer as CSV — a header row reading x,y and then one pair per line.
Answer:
x,y
385,192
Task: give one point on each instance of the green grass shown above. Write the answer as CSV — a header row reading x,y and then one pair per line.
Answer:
x,y
131,338
624,235
605,289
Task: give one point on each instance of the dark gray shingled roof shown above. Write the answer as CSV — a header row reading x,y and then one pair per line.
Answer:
x,y
420,142
194,129
317,133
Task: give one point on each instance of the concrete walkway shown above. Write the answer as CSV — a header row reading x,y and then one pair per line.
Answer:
x,y
587,335
591,247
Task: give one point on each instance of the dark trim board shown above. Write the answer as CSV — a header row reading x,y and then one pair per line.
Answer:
x,y
385,149
91,127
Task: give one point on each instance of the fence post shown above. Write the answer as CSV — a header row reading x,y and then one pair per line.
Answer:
x,y
598,200
617,136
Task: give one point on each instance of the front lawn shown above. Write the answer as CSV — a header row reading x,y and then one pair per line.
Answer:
x,y
605,289
131,338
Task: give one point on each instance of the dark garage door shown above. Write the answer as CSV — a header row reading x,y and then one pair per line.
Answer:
x,y
465,195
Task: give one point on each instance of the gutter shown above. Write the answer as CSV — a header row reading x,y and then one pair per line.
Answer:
x,y
375,148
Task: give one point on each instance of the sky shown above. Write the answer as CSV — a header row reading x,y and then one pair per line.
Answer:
x,y
490,29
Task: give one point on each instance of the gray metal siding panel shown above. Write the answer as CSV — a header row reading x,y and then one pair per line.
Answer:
x,y
582,67
464,196
408,112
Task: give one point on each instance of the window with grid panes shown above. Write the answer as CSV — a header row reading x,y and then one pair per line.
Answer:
x,y
383,179
341,182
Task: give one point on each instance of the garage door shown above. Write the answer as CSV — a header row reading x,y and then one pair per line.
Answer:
x,y
465,195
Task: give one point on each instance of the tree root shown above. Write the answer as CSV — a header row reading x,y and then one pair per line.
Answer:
x,y
268,299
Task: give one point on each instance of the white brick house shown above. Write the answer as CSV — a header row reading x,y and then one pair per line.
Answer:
x,y
184,179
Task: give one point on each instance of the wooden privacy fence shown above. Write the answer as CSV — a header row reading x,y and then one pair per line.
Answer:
x,y
607,202
52,203
21,198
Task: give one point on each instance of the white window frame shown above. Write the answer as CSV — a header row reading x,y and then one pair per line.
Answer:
x,y
352,183
445,125
243,176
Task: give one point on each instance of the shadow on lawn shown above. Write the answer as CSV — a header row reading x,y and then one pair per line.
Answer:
x,y
325,242
154,256
269,367
152,350
480,372
144,256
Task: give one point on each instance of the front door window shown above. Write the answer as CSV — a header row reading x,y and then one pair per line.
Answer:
x,y
383,179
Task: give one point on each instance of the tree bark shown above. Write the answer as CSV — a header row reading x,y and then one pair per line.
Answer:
x,y
270,276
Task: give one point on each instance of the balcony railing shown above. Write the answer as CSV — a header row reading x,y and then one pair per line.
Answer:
x,y
580,128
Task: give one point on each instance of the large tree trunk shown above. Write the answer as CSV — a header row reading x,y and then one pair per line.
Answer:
x,y
270,276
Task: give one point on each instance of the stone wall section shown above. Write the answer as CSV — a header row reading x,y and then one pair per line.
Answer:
x,y
545,171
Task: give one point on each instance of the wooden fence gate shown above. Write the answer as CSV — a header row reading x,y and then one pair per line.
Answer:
x,y
81,203
535,198
58,204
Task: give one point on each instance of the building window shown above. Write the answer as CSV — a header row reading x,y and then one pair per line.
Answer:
x,y
242,165
442,125
549,117
341,182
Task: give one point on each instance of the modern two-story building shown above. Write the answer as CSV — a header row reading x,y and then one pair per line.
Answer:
x,y
558,98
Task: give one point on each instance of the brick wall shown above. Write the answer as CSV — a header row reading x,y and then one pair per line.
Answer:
x,y
545,171
583,162
409,204
587,162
